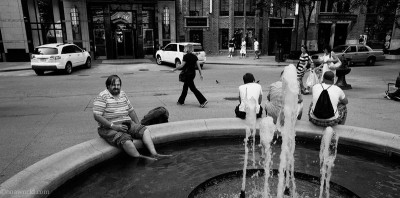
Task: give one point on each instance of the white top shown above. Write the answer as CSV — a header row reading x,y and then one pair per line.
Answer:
x,y
325,58
256,44
335,93
250,90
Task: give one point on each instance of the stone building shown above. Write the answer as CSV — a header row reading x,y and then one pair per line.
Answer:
x,y
116,29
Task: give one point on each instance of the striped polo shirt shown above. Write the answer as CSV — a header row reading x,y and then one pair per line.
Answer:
x,y
303,60
114,109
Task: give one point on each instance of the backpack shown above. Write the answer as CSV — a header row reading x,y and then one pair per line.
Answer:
x,y
323,108
155,116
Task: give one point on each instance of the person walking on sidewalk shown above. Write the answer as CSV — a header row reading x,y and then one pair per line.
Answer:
x,y
188,66
243,48
118,122
256,49
231,46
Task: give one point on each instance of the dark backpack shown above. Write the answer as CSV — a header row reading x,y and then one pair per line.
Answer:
x,y
323,108
156,116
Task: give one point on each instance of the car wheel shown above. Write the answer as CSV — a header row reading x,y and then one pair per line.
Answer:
x,y
88,63
370,61
159,61
39,72
68,68
177,63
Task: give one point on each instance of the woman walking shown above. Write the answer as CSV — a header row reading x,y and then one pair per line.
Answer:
x,y
188,66
329,61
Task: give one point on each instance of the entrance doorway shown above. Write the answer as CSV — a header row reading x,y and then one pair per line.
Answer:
x,y
340,34
324,35
123,34
196,36
279,37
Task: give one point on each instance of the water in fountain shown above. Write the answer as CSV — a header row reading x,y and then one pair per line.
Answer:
x,y
250,108
327,155
285,123
267,129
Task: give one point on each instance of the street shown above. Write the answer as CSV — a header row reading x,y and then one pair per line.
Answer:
x,y
42,115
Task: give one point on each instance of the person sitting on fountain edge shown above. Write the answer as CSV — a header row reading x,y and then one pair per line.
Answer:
x,y
246,91
118,122
328,106
274,102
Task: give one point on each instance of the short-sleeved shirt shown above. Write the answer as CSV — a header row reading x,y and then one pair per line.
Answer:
x,y
114,109
335,94
190,66
250,90
256,46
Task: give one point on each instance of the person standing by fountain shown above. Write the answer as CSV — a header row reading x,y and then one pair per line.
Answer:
x,y
250,89
330,62
305,63
274,102
328,106
118,122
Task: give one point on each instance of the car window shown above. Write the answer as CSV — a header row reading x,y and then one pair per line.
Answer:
x,y
352,49
67,50
340,48
168,48
45,51
174,47
198,48
181,48
362,49
77,49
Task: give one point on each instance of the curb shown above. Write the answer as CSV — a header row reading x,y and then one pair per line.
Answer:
x,y
51,172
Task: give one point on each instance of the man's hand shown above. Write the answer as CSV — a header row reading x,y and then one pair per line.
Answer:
x,y
120,127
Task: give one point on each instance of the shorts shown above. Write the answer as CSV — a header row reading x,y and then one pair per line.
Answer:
x,y
342,109
117,138
242,115
231,49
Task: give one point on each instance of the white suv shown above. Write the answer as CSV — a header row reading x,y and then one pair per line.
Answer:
x,y
173,53
58,56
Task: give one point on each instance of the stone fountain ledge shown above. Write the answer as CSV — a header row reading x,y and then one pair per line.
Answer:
x,y
53,171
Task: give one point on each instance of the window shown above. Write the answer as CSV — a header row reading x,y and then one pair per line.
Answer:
x,y
224,8
165,26
77,49
68,50
352,49
238,7
362,49
223,38
250,7
45,22
171,47
45,51
195,7
335,6
181,48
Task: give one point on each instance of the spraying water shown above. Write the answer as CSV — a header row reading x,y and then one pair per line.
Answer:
x,y
327,155
267,129
285,124
250,108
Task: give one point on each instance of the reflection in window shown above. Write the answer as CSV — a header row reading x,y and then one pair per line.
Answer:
x,y
45,22
165,22
195,7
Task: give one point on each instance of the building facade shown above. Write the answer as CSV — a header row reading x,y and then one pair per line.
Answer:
x,y
117,29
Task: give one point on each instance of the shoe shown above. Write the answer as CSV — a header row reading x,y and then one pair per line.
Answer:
x,y
306,92
204,104
387,95
178,103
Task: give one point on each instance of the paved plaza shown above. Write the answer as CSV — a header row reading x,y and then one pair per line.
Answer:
x,y
42,115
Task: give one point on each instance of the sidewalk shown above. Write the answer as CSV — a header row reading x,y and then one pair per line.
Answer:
x,y
212,59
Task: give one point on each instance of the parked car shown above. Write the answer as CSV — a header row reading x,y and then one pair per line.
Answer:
x,y
357,53
173,53
59,56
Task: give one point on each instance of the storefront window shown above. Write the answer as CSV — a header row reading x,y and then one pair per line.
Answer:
x,y
75,24
224,8
99,33
195,7
223,38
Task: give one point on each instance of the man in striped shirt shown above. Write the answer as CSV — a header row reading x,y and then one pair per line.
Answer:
x,y
118,122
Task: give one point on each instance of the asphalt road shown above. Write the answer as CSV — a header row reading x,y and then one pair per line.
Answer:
x,y
41,115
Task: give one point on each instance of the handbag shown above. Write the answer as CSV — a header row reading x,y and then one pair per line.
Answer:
x,y
312,79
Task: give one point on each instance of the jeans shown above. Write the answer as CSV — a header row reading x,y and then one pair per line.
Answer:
x,y
190,84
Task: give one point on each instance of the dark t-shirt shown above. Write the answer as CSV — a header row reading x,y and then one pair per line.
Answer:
x,y
190,66
231,43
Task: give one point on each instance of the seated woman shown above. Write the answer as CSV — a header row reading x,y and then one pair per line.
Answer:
x,y
250,89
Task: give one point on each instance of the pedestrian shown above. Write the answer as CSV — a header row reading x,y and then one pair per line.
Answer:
x,y
231,47
330,62
395,95
274,103
243,48
328,106
118,122
250,89
256,49
188,66
305,63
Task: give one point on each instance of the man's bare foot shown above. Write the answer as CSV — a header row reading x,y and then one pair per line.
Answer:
x,y
146,157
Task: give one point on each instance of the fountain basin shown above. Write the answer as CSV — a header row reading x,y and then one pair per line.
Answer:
x,y
49,173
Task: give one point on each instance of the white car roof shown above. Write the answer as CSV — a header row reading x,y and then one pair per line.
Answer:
x,y
54,45
186,43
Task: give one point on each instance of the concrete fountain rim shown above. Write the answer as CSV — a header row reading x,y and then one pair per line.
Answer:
x,y
50,173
